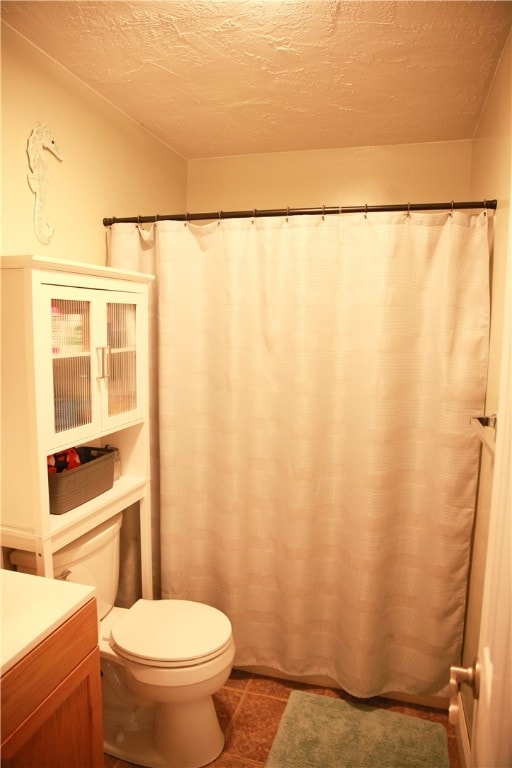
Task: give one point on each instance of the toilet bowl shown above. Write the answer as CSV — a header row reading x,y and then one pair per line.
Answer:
x,y
161,661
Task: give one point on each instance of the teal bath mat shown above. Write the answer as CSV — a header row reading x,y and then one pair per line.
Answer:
x,y
323,732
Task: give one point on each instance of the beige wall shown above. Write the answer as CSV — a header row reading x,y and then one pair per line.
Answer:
x,y
111,166
374,175
491,177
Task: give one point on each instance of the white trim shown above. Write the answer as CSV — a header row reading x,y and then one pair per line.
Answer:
x,y
461,731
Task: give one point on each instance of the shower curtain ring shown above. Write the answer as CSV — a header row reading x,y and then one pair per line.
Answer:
x,y
485,207
323,212
451,212
408,210
366,210
287,213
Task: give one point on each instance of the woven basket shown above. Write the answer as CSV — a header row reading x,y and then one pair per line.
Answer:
x,y
73,487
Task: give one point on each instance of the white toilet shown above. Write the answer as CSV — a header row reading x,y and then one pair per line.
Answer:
x,y
161,661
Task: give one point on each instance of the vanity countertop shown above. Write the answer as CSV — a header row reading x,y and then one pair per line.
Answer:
x,y
32,607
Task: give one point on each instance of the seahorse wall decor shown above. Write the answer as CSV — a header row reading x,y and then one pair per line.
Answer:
x,y
40,139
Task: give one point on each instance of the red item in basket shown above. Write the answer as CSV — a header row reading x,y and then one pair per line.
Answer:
x,y
59,462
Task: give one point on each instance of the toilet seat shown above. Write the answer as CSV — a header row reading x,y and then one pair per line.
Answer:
x,y
171,633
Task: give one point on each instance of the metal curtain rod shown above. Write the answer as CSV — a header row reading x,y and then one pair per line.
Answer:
x,y
324,211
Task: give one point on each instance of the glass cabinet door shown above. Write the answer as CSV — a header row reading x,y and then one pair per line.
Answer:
x,y
71,361
121,373
95,370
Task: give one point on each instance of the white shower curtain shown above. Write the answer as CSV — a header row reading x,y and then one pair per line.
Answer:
x,y
318,468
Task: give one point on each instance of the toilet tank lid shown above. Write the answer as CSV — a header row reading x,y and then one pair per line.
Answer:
x,y
171,630
83,547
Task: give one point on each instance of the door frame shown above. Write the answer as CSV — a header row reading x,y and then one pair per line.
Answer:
x,y
491,741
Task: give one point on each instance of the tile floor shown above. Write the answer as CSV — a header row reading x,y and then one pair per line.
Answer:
x,y
250,708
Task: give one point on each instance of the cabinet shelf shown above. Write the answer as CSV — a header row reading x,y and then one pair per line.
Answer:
x,y
69,526
67,355
125,490
86,353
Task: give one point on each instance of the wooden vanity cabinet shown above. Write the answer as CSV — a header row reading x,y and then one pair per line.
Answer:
x,y
51,700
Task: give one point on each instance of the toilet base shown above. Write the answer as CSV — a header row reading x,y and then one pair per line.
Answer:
x,y
164,735
179,737
128,735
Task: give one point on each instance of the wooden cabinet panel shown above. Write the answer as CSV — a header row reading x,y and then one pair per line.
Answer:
x,y
66,729
46,666
51,700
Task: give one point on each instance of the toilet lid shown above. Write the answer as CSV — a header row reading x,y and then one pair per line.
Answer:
x,y
171,632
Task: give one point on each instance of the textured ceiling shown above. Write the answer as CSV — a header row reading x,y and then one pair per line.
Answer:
x,y
218,77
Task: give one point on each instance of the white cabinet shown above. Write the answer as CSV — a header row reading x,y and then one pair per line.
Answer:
x,y
74,372
94,367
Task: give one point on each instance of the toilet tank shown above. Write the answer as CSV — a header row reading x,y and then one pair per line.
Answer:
x,y
92,559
